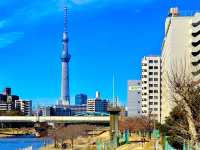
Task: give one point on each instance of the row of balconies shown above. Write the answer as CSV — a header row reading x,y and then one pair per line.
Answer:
x,y
195,54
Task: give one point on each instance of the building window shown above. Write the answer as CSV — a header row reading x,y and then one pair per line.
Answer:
x,y
150,91
155,61
155,73
150,73
151,79
155,103
155,85
150,67
150,97
144,70
138,92
150,103
155,91
150,85
144,99
144,82
144,64
150,61
155,79
155,97
155,67
155,109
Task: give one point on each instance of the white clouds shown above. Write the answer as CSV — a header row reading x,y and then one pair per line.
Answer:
x,y
9,38
31,12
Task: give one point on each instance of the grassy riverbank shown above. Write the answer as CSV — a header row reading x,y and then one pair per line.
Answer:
x,y
82,143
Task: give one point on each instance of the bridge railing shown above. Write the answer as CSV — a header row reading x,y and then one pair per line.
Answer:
x,y
88,119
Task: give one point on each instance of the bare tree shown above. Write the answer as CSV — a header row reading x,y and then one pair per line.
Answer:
x,y
186,94
135,124
70,132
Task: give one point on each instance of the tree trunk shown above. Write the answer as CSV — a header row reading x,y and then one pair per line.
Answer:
x,y
192,128
72,142
55,142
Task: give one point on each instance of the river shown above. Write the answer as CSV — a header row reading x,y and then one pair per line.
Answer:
x,y
16,143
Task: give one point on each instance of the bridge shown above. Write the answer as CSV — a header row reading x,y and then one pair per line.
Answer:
x,y
55,119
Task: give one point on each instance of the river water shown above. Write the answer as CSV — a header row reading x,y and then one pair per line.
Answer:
x,y
17,143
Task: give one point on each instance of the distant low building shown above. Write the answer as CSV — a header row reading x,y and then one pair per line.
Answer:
x,y
76,109
91,105
7,101
101,105
45,111
97,104
60,110
24,106
81,99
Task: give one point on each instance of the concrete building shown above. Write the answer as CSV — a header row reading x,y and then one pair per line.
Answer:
x,y
180,53
98,104
151,87
77,109
7,100
101,105
91,105
81,99
134,98
24,106
60,110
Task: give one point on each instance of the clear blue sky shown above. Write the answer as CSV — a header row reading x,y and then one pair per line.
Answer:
x,y
106,37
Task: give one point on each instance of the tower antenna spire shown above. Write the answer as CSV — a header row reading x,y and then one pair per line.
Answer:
x,y
65,18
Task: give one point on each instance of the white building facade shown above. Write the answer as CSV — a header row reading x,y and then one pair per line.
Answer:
x,y
25,106
91,105
151,87
180,53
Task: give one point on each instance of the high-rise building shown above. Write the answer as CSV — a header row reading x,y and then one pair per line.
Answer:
x,y
80,99
134,98
180,53
65,58
151,84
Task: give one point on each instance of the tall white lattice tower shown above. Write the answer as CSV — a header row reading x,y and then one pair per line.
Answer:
x,y
65,58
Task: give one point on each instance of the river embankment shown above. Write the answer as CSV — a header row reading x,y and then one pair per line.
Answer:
x,y
14,132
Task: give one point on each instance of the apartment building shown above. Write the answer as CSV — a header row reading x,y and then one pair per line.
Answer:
x,y
151,87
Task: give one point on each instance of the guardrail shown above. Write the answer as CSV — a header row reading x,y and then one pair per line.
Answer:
x,y
65,119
